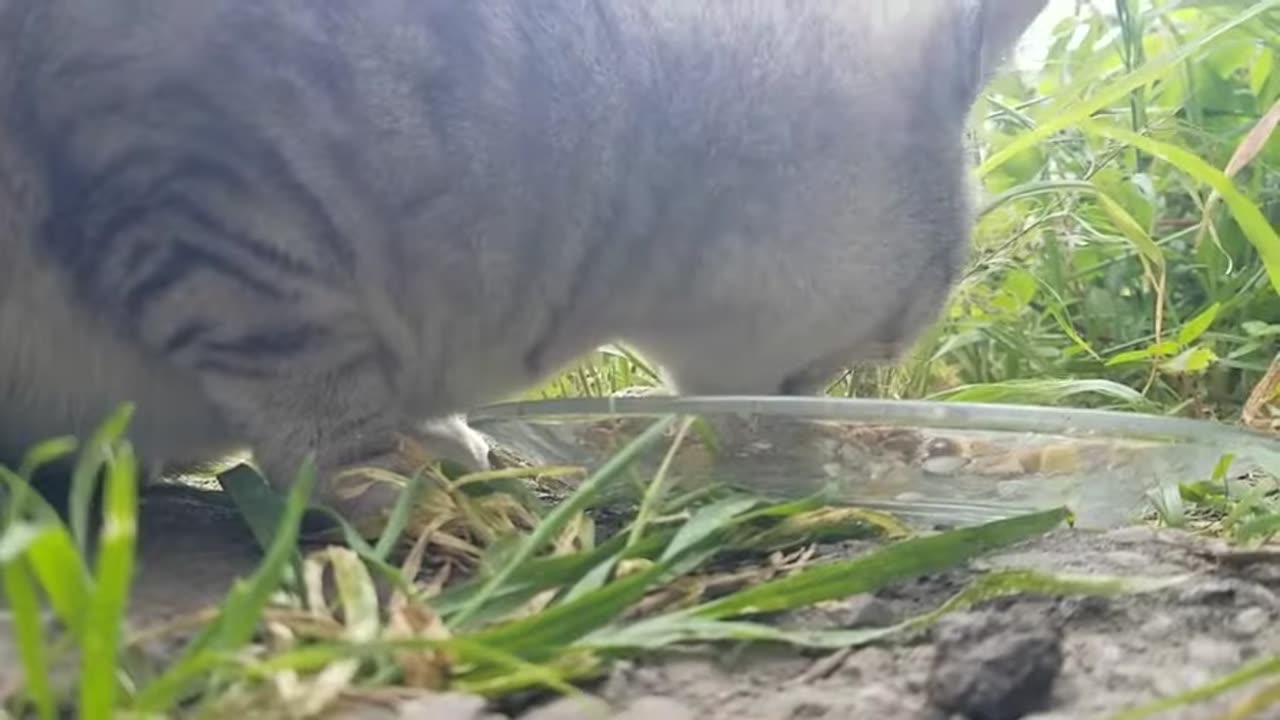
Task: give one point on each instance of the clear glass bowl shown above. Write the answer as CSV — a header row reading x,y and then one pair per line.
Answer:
x,y
930,463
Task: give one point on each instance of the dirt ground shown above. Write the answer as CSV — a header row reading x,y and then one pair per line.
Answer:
x,y
1045,658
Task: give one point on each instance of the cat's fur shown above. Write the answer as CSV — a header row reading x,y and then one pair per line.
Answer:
x,y
306,225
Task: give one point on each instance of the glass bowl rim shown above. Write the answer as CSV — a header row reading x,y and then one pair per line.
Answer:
x,y
924,414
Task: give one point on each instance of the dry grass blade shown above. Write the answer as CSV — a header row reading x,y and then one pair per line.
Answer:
x,y
1254,142
1254,705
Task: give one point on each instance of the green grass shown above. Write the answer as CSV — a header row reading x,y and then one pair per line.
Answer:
x,y
1126,256
478,635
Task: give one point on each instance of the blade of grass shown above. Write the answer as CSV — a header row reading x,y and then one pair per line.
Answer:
x,y
542,574
543,634
898,561
825,525
706,523
37,457
1252,706
681,627
241,609
595,579
401,514
557,518
100,644
56,562
1040,392
657,487
84,478
585,612
24,603
518,673
259,506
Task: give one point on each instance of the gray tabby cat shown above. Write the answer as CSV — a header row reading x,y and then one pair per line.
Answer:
x,y
308,225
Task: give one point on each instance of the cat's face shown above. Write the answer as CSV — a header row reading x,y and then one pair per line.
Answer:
x,y
845,248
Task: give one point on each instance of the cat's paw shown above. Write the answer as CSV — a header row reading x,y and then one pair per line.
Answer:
x,y
450,438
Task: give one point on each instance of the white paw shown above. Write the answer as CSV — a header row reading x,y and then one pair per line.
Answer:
x,y
451,438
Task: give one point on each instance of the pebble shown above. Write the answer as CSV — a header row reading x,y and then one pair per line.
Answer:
x,y
1159,627
1209,653
1250,622
992,666
1228,591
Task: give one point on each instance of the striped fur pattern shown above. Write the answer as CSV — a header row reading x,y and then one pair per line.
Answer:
x,y
308,225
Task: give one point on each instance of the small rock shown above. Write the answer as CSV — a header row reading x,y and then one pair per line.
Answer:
x,y
994,667
1228,591
1250,622
1210,653
943,464
1159,626
1077,609
1267,573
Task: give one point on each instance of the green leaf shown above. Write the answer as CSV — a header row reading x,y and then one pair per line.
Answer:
x,y
1251,220
682,627
545,633
1072,109
705,523
898,561
54,557
1130,228
84,478
1261,69
1191,360
545,573
24,604
117,540
1158,350
1039,391
1196,326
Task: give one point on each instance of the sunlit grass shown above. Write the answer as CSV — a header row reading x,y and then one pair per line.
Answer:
x,y
308,629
